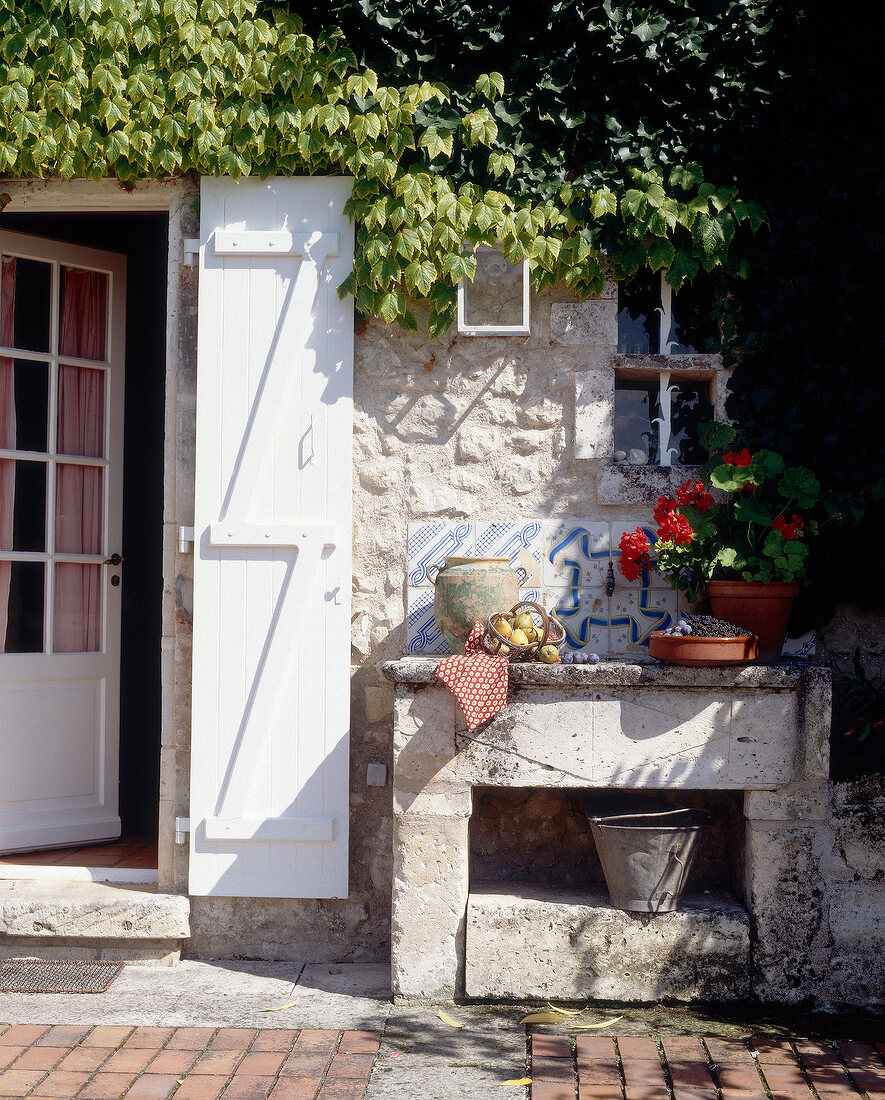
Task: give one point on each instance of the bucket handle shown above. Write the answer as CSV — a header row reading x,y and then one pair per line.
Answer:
x,y
427,572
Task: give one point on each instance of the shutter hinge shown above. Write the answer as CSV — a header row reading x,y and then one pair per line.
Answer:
x,y
191,249
185,540
182,828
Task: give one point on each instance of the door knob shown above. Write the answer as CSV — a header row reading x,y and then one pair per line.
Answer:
x,y
114,559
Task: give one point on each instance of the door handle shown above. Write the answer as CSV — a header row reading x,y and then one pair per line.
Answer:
x,y
115,560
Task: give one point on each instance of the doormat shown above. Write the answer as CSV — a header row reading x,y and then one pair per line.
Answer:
x,y
56,976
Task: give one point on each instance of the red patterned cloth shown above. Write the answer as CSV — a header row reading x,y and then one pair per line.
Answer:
x,y
478,679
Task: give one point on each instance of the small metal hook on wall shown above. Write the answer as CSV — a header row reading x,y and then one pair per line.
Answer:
x,y
610,580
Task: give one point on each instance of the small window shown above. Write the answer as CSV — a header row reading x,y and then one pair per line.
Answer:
x,y
656,420
496,301
653,319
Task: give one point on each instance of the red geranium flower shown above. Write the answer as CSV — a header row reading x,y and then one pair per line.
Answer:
x,y
692,492
663,508
634,553
738,458
675,527
791,529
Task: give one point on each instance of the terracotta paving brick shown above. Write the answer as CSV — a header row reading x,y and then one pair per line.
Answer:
x,y
62,1084
190,1038
217,1062
726,1052
173,1061
274,1040
9,1054
599,1092
16,1082
774,1051
872,1082
315,1042
350,1090
351,1065
233,1038
360,1042
201,1088
598,1074
305,1065
63,1035
293,1088
261,1063
552,1090
22,1035
635,1046
88,1059
149,1038
128,1061
860,1054
690,1075
830,1081
107,1086
153,1086
550,1046
785,1080
644,1079
683,1048
249,1087
106,1036
740,1078
592,1047
40,1058
552,1069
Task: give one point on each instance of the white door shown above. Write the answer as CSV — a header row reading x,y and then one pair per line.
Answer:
x,y
61,442
272,571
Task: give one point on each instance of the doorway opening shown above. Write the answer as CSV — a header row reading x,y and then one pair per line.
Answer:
x,y
143,239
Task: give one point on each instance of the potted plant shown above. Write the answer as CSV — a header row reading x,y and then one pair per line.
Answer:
x,y
741,533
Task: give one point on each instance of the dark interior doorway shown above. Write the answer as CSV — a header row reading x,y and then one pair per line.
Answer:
x,y
144,239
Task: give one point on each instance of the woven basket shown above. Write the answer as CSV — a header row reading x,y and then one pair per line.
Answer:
x,y
552,632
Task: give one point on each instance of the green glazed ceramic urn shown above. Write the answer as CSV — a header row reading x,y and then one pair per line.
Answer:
x,y
471,589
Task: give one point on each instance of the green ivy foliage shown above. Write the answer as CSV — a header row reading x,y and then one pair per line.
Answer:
x,y
145,88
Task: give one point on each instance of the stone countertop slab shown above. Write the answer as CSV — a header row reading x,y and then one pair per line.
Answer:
x,y
786,675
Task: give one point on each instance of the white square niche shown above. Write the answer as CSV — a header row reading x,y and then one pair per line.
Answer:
x,y
496,302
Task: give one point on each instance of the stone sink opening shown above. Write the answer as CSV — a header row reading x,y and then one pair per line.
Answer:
x,y
498,891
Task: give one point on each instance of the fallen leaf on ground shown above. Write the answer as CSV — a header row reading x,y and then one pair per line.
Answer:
x,y
335,971
446,1019
521,1081
593,1027
280,1008
566,1011
396,1054
542,1018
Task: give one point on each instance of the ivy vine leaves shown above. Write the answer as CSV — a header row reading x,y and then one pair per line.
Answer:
x,y
144,88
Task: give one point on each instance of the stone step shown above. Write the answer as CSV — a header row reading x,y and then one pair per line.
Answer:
x,y
576,946
68,919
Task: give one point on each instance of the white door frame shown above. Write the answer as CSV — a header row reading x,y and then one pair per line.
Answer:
x,y
172,197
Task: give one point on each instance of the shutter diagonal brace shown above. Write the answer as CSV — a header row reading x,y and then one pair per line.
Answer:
x,y
309,542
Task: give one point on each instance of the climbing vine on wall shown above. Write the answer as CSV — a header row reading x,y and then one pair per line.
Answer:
x,y
145,88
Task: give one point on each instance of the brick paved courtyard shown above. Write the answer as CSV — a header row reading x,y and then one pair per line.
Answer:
x,y
62,1062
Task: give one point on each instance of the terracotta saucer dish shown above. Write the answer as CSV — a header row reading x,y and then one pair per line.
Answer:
x,y
687,650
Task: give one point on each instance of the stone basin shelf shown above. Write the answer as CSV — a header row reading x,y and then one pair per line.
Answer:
x,y
759,729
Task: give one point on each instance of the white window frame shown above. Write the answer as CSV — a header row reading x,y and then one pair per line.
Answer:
x,y
497,330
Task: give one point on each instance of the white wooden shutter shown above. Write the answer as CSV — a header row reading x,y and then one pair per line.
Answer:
x,y
272,569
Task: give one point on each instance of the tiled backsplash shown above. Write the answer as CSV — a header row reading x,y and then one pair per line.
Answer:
x,y
567,565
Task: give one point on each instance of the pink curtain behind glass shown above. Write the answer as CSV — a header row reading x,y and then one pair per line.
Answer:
x,y
79,498
7,434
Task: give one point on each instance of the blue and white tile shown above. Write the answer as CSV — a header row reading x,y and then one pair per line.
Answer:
x,y
522,543
576,553
584,614
423,634
803,646
635,613
431,543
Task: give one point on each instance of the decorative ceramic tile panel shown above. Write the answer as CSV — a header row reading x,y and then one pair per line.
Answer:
x,y
522,543
655,579
584,614
635,612
576,553
431,543
803,646
424,636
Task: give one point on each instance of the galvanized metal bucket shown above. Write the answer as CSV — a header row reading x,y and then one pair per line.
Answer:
x,y
646,857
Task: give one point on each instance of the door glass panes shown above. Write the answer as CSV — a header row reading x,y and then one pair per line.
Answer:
x,y
21,606
78,509
77,619
22,505
639,314
25,294
81,411
689,407
83,314
30,406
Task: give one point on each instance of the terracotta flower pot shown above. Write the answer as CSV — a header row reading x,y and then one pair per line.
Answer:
x,y
762,608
